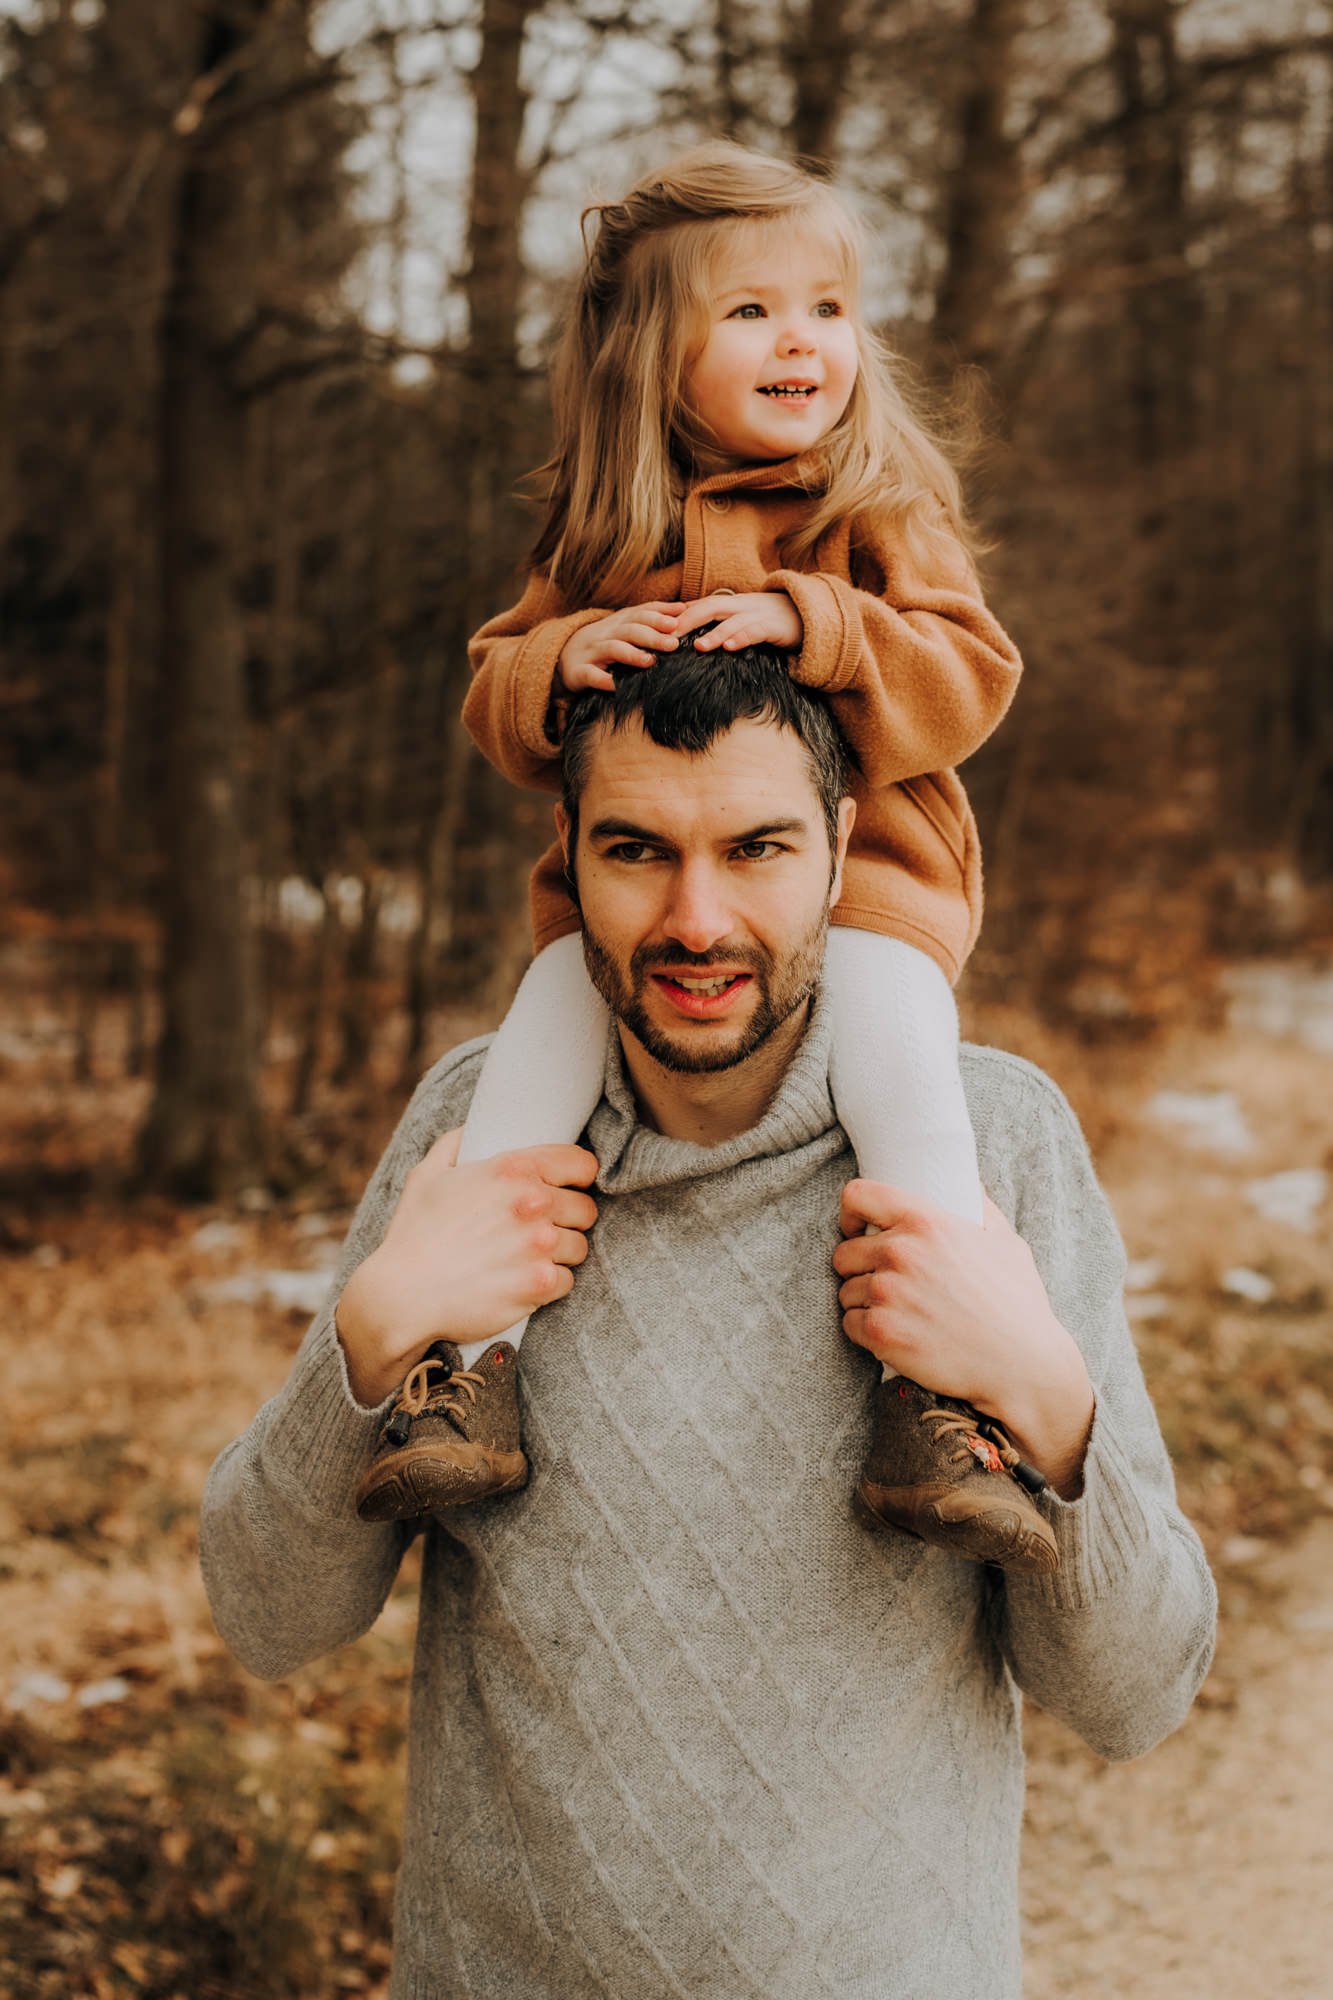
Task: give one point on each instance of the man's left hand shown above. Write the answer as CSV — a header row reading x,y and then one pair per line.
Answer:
x,y
962,1310
745,618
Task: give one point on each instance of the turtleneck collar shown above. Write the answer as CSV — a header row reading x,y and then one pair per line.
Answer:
x,y
632,1157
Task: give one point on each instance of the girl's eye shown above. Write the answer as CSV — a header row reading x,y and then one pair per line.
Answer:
x,y
829,308
752,310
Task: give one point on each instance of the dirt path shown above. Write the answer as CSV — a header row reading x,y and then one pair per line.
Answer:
x,y
1206,1868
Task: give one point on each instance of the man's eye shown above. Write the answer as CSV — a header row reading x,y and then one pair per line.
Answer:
x,y
630,850
758,850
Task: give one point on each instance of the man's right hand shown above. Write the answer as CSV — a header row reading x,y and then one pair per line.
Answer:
x,y
469,1251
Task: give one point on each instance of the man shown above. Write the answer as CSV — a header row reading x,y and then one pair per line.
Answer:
x,y
681,1725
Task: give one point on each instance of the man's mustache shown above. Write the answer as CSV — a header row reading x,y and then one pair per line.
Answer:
x,y
643,960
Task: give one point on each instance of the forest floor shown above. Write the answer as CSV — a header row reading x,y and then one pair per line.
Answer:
x,y
172,1830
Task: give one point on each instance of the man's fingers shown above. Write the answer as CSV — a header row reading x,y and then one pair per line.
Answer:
x,y
563,1166
572,1210
571,1247
445,1149
859,1253
874,1201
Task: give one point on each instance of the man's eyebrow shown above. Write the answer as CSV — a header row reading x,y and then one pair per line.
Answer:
x,y
625,829
622,829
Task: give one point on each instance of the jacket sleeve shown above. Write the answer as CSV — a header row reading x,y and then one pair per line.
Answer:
x,y
1117,1641
919,671
290,1570
510,707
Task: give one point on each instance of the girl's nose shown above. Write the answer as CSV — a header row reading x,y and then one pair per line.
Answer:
x,y
797,337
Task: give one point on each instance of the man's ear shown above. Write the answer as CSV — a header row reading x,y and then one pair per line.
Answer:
x,y
846,817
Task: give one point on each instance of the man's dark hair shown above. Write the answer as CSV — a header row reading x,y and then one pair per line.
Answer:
x,y
686,700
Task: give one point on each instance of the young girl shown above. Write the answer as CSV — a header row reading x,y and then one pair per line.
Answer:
x,y
734,460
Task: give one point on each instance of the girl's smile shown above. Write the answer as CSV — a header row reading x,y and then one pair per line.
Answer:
x,y
779,358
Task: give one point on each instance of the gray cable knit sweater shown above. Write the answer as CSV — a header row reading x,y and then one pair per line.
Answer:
x,y
681,1727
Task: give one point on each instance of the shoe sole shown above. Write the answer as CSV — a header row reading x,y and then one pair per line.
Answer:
x,y
417,1482
999,1538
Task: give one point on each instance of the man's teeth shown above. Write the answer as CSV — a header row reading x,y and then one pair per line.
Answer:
x,y
703,985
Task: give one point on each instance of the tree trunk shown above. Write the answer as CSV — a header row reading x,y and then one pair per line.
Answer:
x,y
1161,303
204,1136
981,193
485,431
820,61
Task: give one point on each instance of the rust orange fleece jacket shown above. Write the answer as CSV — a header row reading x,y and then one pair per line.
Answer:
x,y
917,670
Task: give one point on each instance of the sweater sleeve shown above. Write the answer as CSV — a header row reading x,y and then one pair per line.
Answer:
x,y
290,1570
919,671
511,707
1117,1641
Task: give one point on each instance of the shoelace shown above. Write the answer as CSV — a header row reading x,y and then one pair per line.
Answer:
x,y
416,1389
964,1426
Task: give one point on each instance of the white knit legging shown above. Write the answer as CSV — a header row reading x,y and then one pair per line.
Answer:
x,y
893,1069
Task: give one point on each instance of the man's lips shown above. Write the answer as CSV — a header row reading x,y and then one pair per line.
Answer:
x,y
702,995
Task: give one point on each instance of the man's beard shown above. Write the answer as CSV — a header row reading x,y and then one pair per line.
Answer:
x,y
782,987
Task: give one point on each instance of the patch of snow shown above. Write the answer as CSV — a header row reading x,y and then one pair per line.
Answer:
x,y
1143,1273
1294,1197
33,1687
288,1291
217,1235
1147,1305
1283,999
98,1694
1244,1549
316,1225
46,1255
1252,1286
1211,1120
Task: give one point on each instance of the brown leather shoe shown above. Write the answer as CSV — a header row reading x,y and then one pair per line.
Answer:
x,y
451,1437
939,1470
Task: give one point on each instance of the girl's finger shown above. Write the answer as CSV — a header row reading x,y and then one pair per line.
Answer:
x,y
629,656
731,632
697,614
658,637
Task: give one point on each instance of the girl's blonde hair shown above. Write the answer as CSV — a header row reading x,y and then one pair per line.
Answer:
x,y
614,499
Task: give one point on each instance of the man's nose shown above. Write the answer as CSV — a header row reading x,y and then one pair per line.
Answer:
x,y
699,912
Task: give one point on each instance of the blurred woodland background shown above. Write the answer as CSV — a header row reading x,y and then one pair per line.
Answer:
x,y
277,281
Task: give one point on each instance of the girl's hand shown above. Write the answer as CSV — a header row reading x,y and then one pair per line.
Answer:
x,y
628,638
747,618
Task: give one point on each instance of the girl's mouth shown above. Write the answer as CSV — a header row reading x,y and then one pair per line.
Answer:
x,y
789,392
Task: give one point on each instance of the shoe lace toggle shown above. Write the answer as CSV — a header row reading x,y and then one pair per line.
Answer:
x,y
987,1443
